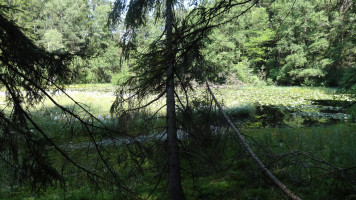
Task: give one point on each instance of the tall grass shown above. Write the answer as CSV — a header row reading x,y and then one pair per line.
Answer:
x,y
320,162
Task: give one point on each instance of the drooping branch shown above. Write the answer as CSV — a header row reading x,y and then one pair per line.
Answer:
x,y
56,147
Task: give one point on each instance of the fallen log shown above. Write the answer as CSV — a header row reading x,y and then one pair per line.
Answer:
x,y
259,163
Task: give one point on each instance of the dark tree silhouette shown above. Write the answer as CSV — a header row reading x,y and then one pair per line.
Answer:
x,y
174,59
26,72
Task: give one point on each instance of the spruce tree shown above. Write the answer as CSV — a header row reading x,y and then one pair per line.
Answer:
x,y
174,59
27,71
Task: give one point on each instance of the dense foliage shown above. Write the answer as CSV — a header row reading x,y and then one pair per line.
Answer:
x,y
290,43
277,42
77,27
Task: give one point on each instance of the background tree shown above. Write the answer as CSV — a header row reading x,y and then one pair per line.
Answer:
x,y
276,42
241,46
288,43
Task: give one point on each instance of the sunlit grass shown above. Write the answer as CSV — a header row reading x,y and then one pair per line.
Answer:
x,y
98,98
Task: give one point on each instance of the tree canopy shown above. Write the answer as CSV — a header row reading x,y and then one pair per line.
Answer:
x,y
274,43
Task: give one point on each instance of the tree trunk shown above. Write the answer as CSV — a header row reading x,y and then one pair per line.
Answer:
x,y
341,13
174,178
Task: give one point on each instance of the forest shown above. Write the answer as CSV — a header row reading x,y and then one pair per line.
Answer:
x,y
301,43
177,99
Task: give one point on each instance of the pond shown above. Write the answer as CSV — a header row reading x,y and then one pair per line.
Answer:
x,y
320,112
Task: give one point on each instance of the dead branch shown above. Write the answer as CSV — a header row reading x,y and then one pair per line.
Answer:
x,y
265,170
